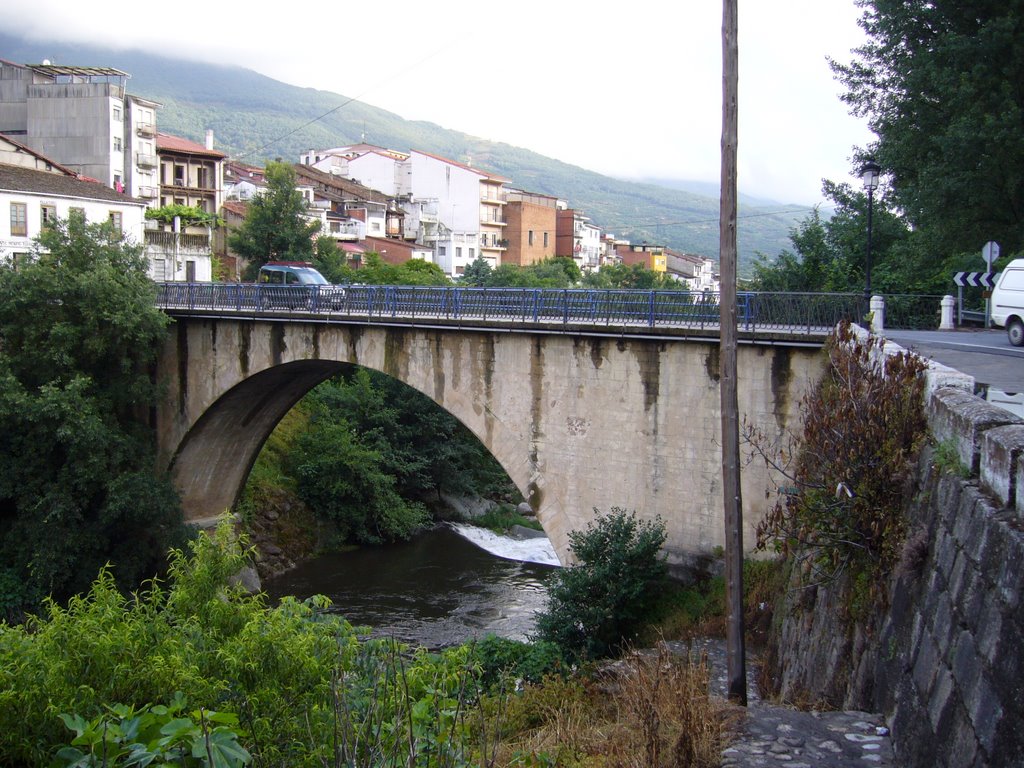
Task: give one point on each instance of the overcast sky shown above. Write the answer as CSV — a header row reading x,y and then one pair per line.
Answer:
x,y
628,89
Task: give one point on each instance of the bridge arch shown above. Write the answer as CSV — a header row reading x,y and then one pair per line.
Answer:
x,y
578,422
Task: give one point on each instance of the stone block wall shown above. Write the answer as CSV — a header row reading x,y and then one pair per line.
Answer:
x,y
945,660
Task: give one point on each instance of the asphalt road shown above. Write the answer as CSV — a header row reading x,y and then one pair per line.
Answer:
x,y
984,354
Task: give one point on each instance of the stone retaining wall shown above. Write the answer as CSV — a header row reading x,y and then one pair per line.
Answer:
x,y
945,662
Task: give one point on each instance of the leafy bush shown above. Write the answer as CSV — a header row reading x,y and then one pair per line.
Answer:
x,y
166,735
600,602
500,659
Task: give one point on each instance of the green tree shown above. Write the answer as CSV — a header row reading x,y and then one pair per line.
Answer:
x,y
940,84
276,227
601,601
477,273
829,253
79,332
630,276
375,449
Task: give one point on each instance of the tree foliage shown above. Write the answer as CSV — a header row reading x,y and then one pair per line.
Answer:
x,y
940,84
375,449
276,227
601,601
631,276
79,331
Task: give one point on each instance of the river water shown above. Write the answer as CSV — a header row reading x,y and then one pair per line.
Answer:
x,y
437,590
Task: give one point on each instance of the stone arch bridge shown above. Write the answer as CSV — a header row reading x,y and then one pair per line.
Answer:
x,y
579,420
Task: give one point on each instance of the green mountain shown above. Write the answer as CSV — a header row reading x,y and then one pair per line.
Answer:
x,y
255,118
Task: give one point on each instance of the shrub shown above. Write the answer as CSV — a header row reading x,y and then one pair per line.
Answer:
x,y
500,659
863,426
602,601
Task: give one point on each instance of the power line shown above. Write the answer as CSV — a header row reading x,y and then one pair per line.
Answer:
x,y
341,106
715,220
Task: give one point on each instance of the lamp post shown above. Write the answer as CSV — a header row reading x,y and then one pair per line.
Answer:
x,y
869,176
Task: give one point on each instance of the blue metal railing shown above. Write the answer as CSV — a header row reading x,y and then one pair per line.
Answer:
x,y
806,312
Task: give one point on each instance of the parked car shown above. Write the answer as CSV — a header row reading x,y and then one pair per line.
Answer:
x,y
1008,302
297,285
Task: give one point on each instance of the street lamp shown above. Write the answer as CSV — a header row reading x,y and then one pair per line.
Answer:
x,y
869,176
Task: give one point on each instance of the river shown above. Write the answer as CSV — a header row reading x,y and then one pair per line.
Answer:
x,y
437,590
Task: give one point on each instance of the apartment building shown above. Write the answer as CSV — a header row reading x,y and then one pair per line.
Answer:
x,y
530,227
447,205
578,238
83,118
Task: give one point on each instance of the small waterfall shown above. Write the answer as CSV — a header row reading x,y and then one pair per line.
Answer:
x,y
537,550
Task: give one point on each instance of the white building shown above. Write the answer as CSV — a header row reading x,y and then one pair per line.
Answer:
x,y
30,199
449,206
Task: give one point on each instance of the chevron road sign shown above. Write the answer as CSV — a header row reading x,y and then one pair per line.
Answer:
x,y
975,279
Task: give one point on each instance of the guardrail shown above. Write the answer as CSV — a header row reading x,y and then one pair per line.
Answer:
x,y
793,312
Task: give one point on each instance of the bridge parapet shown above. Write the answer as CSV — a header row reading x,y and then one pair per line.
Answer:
x,y
760,315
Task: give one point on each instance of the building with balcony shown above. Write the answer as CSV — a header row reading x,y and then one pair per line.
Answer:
x,y
447,205
579,239
530,229
493,221
191,174
180,255
83,118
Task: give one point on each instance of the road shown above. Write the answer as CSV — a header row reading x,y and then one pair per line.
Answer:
x,y
984,354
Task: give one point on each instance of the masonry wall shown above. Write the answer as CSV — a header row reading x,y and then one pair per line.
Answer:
x,y
945,661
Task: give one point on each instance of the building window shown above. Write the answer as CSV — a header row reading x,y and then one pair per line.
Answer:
x,y
458,252
441,250
545,239
179,175
375,226
76,214
117,113
529,238
472,254
47,215
19,259
116,220
19,219
117,144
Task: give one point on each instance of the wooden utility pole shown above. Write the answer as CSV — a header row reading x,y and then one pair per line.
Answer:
x,y
735,651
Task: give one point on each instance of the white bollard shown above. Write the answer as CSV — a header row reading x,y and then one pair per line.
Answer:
x,y
877,306
946,323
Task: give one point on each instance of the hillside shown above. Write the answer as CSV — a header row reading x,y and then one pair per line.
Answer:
x,y
256,118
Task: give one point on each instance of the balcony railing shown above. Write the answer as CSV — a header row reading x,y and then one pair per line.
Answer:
x,y
186,242
145,160
148,130
148,193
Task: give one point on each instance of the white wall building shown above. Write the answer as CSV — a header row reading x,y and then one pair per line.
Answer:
x,y
447,204
30,199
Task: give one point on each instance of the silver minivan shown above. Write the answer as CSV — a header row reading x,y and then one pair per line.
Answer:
x,y
1008,302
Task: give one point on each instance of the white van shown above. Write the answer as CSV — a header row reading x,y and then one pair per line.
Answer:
x,y
1008,302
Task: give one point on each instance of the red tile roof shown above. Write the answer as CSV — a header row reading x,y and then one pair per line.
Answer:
x,y
178,144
